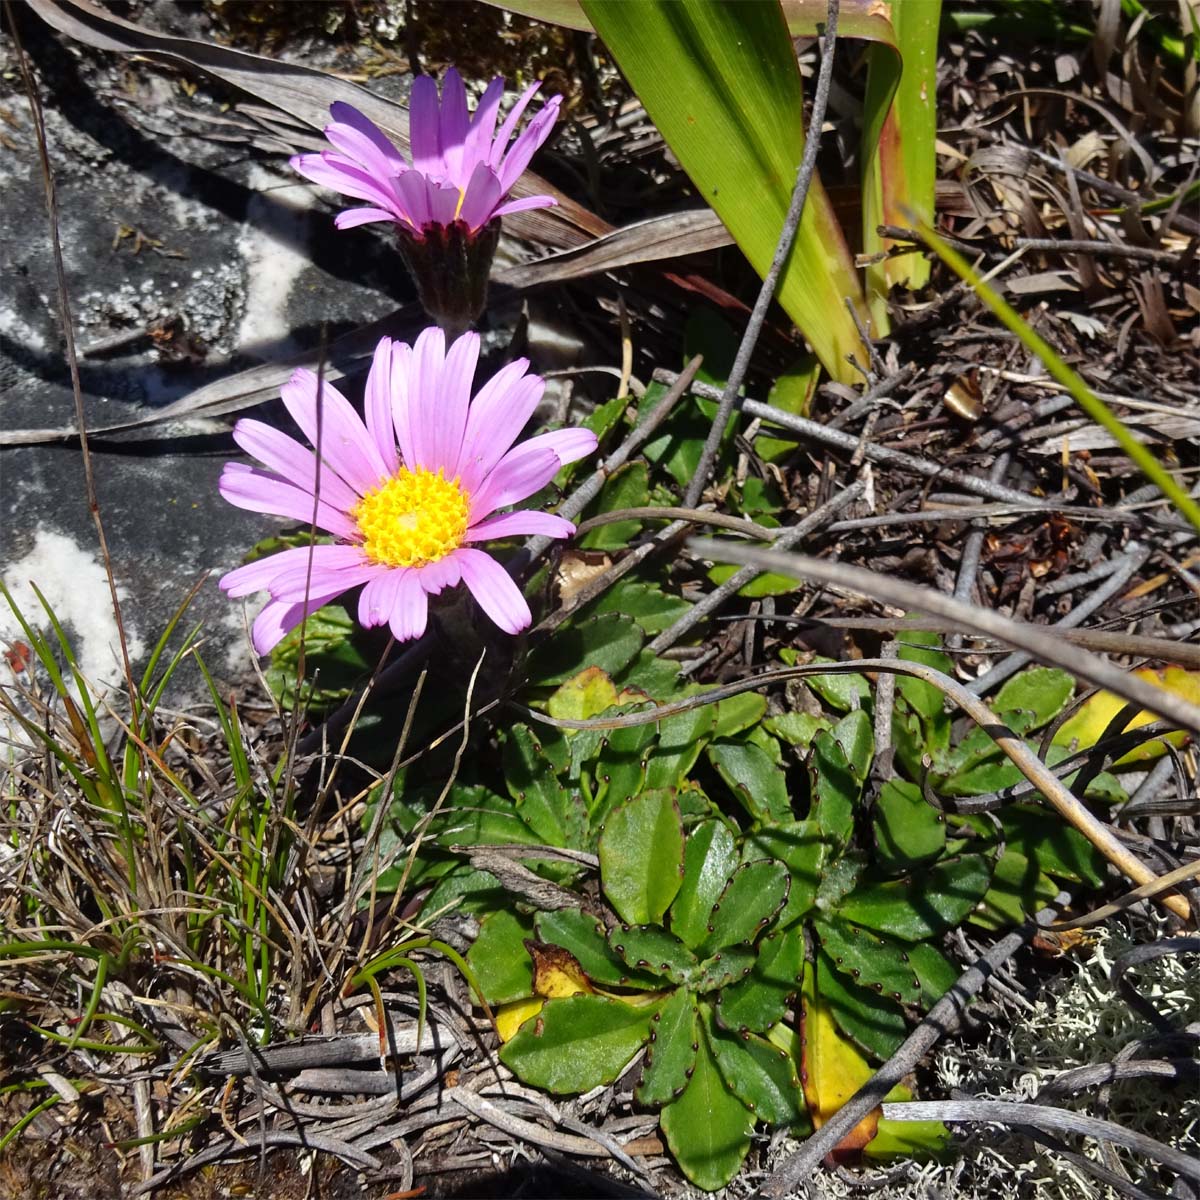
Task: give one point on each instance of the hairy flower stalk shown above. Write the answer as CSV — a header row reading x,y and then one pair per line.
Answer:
x,y
448,202
408,494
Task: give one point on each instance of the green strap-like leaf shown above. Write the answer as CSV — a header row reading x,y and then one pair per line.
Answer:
x,y
722,84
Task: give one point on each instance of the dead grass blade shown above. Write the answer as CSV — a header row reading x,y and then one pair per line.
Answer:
x,y
886,589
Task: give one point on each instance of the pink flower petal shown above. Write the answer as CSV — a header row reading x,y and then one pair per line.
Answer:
x,y
347,114
260,491
494,590
377,405
376,599
527,521
293,462
454,124
414,188
443,203
360,149
483,125
340,567
528,143
333,171
351,218
410,608
296,585
424,392
500,144
278,619
330,423
569,444
519,474
402,374
423,126
254,577
524,204
498,414
452,400
437,576
481,197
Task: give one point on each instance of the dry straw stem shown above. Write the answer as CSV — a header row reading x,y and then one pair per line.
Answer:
x,y
1042,646
886,589
1049,1119
68,332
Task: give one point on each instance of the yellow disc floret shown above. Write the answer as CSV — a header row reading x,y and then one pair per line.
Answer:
x,y
415,517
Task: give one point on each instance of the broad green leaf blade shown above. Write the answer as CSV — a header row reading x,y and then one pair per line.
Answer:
x,y
650,948
672,1052
759,785
805,18
909,832
1019,887
870,960
680,742
838,768
875,1025
652,608
577,1043
627,487
609,641
761,999
501,963
582,935
1029,700
802,849
760,1074
556,815
925,905
727,966
641,857
935,971
748,904
708,1127
722,84
1057,849
709,860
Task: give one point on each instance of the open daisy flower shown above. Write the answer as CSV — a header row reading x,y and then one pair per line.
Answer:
x,y
408,494
447,202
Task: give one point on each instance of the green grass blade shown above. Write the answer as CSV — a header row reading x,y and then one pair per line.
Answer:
x,y
722,84
1087,400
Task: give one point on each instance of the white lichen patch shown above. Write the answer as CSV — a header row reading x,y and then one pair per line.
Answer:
x,y
1077,1019
273,244
71,578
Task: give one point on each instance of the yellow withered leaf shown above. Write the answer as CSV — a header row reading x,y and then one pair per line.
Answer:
x,y
556,975
1090,723
831,1069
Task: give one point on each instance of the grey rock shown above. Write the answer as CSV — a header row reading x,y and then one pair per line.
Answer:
x,y
218,247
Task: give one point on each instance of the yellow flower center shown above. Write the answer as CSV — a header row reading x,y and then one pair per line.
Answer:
x,y
415,517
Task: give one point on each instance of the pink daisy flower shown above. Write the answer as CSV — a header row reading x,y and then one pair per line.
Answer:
x,y
461,170
409,494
